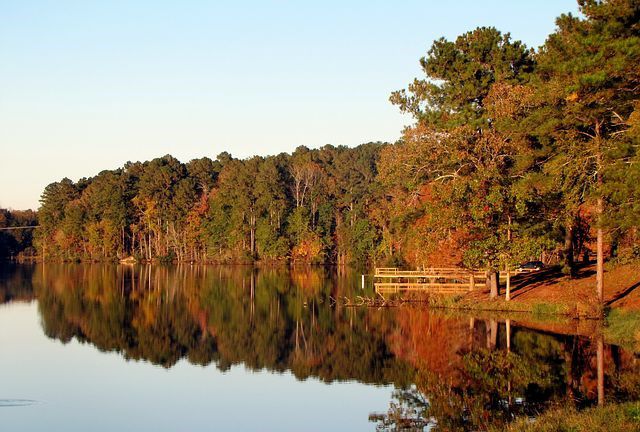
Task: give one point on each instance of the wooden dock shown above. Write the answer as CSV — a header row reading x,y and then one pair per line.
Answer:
x,y
447,280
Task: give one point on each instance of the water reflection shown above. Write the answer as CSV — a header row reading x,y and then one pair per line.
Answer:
x,y
456,371
506,372
260,318
16,282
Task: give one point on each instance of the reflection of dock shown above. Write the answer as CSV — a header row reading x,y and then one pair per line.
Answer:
x,y
449,280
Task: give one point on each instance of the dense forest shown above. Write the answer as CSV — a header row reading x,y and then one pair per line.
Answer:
x,y
311,206
513,154
14,241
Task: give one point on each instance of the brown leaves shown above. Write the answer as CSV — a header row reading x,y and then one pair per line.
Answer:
x,y
508,100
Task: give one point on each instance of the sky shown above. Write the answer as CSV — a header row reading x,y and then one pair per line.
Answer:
x,y
87,86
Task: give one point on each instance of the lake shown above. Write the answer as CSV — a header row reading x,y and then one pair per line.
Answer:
x,y
187,348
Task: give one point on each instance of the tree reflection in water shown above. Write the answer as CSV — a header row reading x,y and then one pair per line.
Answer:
x,y
266,318
454,371
494,379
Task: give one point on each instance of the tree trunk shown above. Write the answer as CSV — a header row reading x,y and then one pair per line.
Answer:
x,y
492,284
599,232
568,264
507,296
352,216
253,235
600,257
253,241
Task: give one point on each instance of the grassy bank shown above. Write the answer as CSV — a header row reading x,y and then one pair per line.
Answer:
x,y
551,293
612,418
620,326
464,303
623,327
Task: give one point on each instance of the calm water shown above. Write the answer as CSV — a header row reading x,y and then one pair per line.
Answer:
x,y
186,348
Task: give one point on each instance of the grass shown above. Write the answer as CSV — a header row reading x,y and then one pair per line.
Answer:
x,y
539,309
612,418
623,328
444,301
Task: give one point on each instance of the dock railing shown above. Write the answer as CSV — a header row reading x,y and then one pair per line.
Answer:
x,y
442,280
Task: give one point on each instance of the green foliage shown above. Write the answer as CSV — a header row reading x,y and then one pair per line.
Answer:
x,y
269,243
510,147
272,208
460,75
363,241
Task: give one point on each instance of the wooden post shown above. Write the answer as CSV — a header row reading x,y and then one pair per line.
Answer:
x,y
508,326
472,282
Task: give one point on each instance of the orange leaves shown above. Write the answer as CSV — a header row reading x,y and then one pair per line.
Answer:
x,y
195,218
573,97
308,249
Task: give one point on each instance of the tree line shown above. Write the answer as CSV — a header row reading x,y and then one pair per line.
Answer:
x,y
513,154
310,206
15,241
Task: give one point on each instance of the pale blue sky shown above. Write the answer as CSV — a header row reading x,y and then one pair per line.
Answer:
x,y
89,85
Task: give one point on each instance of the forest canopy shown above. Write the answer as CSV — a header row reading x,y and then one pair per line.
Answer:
x,y
310,206
513,154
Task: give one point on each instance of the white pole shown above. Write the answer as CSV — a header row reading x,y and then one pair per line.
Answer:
x,y
363,282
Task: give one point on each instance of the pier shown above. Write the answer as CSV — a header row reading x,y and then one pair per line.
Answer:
x,y
442,280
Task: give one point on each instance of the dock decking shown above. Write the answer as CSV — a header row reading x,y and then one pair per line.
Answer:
x,y
443,280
